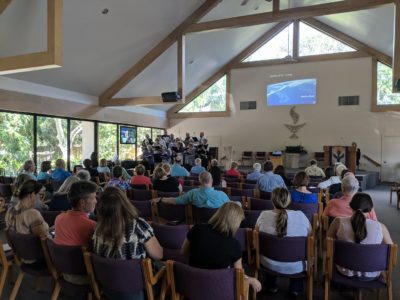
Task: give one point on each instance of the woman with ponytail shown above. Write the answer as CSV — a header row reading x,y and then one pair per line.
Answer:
x,y
284,223
359,229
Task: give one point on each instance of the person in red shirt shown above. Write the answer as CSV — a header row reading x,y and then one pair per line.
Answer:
x,y
139,177
74,228
233,171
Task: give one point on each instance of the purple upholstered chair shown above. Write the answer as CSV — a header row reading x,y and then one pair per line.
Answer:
x,y
56,185
144,207
166,194
50,216
171,239
140,195
121,277
265,195
139,186
230,178
251,217
286,249
249,186
202,215
239,199
245,238
259,204
66,260
367,258
187,188
5,191
59,203
199,284
233,184
311,210
240,192
27,247
251,181
168,212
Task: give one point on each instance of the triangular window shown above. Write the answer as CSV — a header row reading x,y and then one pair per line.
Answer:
x,y
212,99
384,82
280,46
315,42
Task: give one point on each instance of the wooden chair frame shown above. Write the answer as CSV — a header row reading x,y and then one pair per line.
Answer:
x,y
241,290
310,261
5,270
386,274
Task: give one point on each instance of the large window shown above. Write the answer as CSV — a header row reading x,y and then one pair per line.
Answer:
x,y
82,141
211,100
16,141
280,46
51,139
156,132
315,42
384,95
107,140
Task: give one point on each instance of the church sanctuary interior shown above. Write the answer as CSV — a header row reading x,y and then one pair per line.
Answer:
x,y
199,149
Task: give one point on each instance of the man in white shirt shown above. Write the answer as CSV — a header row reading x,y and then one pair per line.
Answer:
x,y
314,170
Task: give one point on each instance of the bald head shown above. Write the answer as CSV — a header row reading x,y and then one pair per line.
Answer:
x,y
205,178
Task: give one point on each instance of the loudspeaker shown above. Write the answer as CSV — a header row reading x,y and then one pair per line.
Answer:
x,y
170,97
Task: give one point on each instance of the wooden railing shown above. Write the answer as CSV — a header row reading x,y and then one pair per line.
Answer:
x,y
372,161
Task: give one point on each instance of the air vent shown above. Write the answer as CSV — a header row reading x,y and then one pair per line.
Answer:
x,y
246,105
349,100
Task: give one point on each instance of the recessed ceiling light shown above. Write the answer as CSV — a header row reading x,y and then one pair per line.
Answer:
x,y
105,11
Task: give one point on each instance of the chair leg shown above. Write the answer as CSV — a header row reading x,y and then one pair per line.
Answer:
x,y
390,292
357,295
326,289
38,284
164,288
17,285
89,296
378,294
310,288
56,291
3,277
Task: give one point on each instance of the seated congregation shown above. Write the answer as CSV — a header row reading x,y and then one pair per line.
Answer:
x,y
193,230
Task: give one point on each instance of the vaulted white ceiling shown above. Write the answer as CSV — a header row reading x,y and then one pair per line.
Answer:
x,y
99,48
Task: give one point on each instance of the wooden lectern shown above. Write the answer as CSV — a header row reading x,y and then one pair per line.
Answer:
x,y
344,154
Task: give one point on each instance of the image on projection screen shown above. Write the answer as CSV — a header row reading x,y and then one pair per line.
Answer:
x,y
293,92
127,135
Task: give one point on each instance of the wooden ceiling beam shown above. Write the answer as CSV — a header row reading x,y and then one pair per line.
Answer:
x,y
182,67
3,5
224,69
346,39
154,53
134,101
396,50
289,14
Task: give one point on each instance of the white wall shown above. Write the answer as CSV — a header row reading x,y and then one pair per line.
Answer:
x,y
326,122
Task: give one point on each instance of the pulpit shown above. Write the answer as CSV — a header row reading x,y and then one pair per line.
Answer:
x,y
343,154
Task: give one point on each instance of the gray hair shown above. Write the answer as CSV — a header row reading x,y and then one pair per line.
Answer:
x,y
257,166
205,178
29,165
66,186
83,175
197,161
350,185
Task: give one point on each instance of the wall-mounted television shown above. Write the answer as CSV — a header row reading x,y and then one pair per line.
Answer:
x,y
127,135
293,92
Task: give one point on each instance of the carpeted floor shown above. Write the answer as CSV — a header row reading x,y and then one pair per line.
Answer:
x,y
386,213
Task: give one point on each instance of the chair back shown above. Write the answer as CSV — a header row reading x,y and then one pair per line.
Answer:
x,y
176,213
242,192
284,249
248,181
167,194
56,185
66,259
233,184
59,203
144,207
249,186
123,276
203,214
102,177
238,199
309,209
199,284
140,186
5,190
50,216
171,239
140,195
369,258
25,246
259,204
187,188
250,218
265,195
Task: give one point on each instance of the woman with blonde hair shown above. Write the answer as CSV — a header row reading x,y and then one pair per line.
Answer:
x,y
284,223
163,182
220,233
66,186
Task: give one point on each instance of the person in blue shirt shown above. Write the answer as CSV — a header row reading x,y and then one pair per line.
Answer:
x,y
256,174
177,170
59,174
29,168
269,181
301,194
45,167
198,168
205,196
